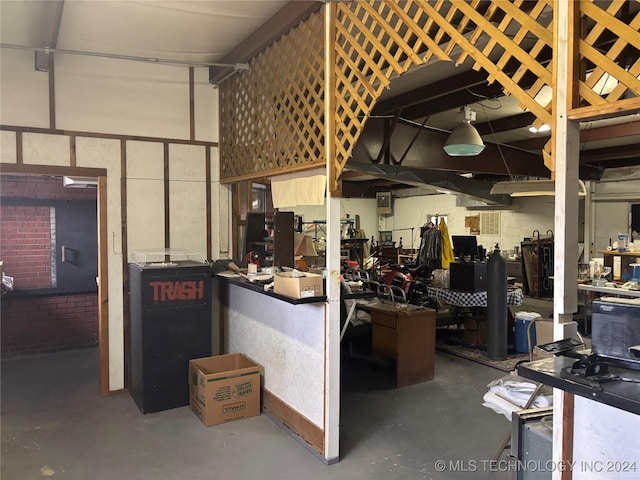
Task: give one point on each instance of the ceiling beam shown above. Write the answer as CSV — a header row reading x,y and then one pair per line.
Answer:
x,y
279,24
586,135
505,124
431,92
624,155
451,93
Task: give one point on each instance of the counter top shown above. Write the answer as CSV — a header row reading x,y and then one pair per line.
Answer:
x,y
624,395
609,290
259,288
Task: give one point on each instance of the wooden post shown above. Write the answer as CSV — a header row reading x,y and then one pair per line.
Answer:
x,y
565,153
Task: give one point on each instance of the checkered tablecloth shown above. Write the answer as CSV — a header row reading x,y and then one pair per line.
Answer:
x,y
468,299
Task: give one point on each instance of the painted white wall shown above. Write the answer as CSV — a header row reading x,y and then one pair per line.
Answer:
x,y
39,149
288,341
105,153
7,147
364,207
25,93
187,194
145,197
124,97
527,214
611,204
128,98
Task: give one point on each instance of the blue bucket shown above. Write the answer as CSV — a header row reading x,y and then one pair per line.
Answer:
x,y
522,321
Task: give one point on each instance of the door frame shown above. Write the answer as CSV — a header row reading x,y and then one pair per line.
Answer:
x,y
103,279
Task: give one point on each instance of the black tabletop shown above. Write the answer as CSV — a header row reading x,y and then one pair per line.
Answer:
x,y
259,288
618,393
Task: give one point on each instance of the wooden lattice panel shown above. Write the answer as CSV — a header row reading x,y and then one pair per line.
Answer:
x,y
272,116
379,40
613,66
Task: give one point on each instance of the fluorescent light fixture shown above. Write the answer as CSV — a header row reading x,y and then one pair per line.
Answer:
x,y
532,188
464,140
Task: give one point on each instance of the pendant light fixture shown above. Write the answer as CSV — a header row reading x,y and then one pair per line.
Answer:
x,y
464,140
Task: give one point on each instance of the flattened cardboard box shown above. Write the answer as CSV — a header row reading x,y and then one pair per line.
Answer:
x,y
224,388
310,285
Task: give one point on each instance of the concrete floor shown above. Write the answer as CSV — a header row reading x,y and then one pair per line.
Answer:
x,y
55,423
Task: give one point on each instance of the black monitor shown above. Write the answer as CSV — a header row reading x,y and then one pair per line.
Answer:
x,y
464,245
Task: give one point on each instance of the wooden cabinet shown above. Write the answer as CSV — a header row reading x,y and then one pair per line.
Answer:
x,y
407,334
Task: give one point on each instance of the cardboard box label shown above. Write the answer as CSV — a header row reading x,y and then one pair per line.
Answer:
x,y
222,394
306,292
224,388
234,407
243,389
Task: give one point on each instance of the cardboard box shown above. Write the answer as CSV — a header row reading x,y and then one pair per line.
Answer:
x,y
308,285
544,331
224,388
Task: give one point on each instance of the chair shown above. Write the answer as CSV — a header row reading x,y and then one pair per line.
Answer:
x,y
391,292
351,331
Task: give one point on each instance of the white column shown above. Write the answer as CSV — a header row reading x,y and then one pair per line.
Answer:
x,y
566,152
332,311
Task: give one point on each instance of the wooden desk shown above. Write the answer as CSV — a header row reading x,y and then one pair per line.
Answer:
x,y
406,333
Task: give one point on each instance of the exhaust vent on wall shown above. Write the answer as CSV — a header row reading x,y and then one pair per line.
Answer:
x,y
80,182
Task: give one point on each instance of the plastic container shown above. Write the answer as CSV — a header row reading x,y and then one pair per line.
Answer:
x,y
522,320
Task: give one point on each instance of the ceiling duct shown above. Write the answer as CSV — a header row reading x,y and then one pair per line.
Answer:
x,y
444,182
80,182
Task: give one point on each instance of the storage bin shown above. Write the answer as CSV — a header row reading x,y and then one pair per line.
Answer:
x,y
522,320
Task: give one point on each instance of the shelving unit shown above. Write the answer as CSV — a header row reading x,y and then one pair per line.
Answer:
x,y
276,249
626,259
537,258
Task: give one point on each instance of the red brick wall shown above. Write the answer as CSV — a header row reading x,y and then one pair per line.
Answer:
x,y
25,245
36,324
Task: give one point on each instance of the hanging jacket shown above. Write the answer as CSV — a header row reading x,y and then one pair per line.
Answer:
x,y
447,250
431,248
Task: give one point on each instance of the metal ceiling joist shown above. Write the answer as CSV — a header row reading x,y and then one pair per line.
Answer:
x,y
446,181
389,128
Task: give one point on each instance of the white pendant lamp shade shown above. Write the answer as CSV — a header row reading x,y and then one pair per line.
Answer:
x,y
464,141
